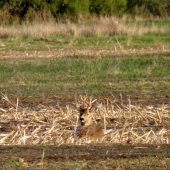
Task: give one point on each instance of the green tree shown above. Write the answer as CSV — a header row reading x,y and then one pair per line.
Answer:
x,y
154,7
107,7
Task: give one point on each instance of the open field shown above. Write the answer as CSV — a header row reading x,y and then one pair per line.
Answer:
x,y
42,137
44,71
44,75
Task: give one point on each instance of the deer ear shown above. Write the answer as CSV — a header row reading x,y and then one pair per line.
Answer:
x,y
81,110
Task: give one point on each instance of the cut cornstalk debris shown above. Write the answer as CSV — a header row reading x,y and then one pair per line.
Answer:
x,y
57,125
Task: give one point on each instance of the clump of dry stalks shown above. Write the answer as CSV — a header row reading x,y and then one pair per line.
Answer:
x,y
97,26
49,125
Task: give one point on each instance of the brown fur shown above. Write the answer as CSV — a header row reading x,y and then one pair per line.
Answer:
x,y
88,129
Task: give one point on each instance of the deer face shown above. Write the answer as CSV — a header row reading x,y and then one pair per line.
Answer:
x,y
85,117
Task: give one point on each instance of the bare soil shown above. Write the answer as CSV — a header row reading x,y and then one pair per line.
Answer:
x,y
41,155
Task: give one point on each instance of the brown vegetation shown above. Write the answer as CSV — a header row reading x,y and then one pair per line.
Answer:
x,y
56,125
45,136
101,26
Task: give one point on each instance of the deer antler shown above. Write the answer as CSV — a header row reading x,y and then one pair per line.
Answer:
x,y
86,102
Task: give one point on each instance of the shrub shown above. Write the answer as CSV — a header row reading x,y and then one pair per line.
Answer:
x,y
70,9
108,7
33,16
157,7
154,7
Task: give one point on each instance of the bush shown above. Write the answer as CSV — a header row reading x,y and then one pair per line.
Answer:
x,y
157,7
69,8
108,7
34,16
20,7
32,10
154,7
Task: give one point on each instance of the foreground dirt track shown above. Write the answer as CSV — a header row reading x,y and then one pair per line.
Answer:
x,y
85,157
87,152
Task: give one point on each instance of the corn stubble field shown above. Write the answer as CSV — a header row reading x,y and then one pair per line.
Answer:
x,y
40,135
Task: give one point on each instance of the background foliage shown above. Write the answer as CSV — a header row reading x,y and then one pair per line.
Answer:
x,y
65,7
29,9
147,7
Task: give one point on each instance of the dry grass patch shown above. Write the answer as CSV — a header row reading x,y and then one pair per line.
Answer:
x,y
101,26
136,137
56,125
80,53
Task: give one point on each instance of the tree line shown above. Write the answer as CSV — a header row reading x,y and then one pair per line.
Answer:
x,y
86,8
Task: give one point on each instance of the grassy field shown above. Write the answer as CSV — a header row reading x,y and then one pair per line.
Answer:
x,y
45,69
140,76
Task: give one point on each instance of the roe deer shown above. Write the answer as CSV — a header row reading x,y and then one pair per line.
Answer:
x,y
88,129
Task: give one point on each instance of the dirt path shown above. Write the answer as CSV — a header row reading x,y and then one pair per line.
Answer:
x,y
76,152
99,156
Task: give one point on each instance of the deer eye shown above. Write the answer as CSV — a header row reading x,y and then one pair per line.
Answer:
x,y
83,111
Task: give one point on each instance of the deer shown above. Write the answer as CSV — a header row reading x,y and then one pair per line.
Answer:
x,y
88,128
